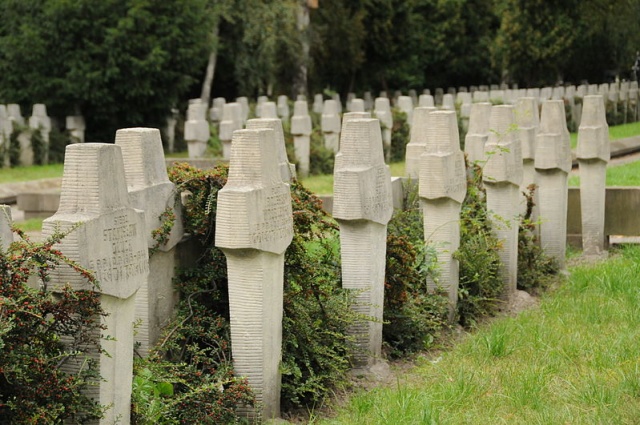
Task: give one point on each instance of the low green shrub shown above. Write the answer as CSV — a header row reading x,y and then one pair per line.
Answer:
x,y
40,332
413,317
399,135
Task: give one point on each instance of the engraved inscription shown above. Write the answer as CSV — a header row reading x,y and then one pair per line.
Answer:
x,y
123,261
276,219
377,202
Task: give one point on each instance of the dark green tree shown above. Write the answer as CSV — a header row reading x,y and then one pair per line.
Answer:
x,y
118,62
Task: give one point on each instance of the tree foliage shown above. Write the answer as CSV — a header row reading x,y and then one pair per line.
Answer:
x,y
118,62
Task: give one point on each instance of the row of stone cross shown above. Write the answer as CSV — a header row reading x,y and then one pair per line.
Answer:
x,y
115,194
11,120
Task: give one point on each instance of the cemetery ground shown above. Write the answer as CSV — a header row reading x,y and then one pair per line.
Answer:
x,y
572,359
561,362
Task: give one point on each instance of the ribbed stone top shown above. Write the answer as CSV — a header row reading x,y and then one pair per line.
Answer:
x,y
274,124
502,150
362,181
593,134
553,144
144,164
254,207
442,169
85,188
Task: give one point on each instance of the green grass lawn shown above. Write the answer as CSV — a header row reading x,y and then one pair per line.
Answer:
x,y
621,175
573,360
35,172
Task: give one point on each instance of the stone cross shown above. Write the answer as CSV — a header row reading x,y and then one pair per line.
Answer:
x,y
593,155
368,101
196,129
13,110
150,190
231,121
268,110
553,163
215,112
528,121
39,121
448,102
6,128
414,96
244,108
24,137
426,100
405,104
261,101
283,108
442,188
502,176
6,235
254,227
336,98
330,125
287,170
418,141
356,105
76,126
382,111
301,130
362,206
318,104
108,237
478,132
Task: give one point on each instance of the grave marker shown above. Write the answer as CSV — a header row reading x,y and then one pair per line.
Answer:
x,y
254,226
593,155
362,206
196,129
287,170
553,163
301,128
110,238
478,131
443,186
330,125
418,141
502,176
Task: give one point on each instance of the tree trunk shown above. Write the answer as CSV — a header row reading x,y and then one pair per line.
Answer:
x,y
211,69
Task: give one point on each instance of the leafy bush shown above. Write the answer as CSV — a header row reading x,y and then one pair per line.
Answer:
x,y
321,159
481,287
40,332
413,316
316,348
399,135
535,268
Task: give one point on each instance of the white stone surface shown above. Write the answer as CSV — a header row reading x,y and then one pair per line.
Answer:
x,y
478,132
254,226
330,125
13,110
318,103
502,176
215,112
418,141
231,122
528,120
196,129
76,126
553,163
110,238
442,188
382,111
593,154
151,191
282,108
405,104
448,102
356,105
301,128
6,235
275,124
362,206
426,100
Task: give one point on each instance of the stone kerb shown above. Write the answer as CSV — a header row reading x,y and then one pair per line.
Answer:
x,y
502,176
108,237
553,163
150,190
418,141
330,125
254,226
593,154
196,129
287,170
6,235
442,187
230,123
301,128
478,131
363,207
